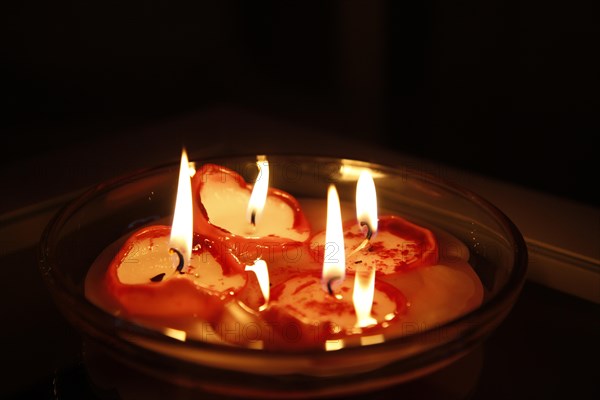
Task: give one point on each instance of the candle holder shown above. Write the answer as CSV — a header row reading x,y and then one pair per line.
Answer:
x,y
114,209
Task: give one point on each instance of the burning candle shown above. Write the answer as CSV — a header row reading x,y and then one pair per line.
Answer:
x,y
400,245
168,271
226,208
250,221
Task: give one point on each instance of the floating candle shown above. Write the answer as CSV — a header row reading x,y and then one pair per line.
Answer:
x,y
146,279
160,272
222,208
398,246
304,316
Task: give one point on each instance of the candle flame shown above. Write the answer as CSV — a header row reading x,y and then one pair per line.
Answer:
x,y
350,171
335,344
334,262
182,230
372,339
262,274
259,191
175,334
366,203
362,296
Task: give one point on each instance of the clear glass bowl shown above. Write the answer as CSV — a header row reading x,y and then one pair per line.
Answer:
x,y
147,359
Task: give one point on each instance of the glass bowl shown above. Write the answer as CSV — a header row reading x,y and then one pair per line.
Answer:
x,y
147,359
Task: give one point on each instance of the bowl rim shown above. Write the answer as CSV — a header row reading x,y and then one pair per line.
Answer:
x,y
500,303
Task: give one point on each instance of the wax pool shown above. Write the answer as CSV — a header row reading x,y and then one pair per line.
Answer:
x,y
434,294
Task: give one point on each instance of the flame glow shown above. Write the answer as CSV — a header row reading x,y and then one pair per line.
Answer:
x,y
362,296
175,334
332,345
334,261
373,339
182,230
262,274
350,171
259,191
366,201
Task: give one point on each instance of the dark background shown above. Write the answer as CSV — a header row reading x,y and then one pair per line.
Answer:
x,y
507,88
503,87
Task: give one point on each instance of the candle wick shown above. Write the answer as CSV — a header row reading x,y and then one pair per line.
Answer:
x,y
180,256
361,246
365,242
369,230
330,282
158,277
253,218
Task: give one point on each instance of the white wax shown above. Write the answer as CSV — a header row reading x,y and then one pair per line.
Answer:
x,y
150,257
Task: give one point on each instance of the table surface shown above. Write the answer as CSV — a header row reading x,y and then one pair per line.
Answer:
x,y
542,349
